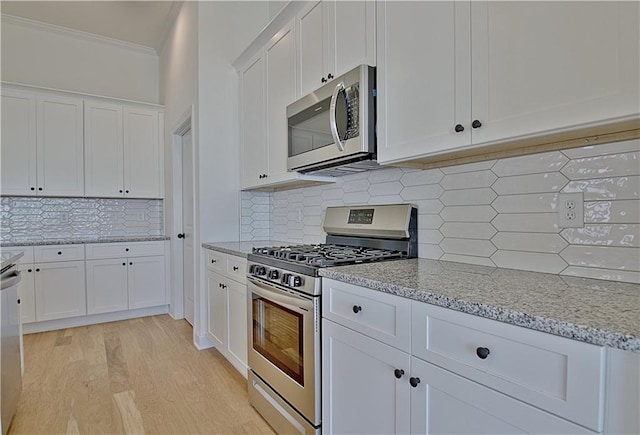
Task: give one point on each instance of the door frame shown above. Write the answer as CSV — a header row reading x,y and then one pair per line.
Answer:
x,y
184,123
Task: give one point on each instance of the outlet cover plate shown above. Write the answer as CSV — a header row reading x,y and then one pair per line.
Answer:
x,y
571,210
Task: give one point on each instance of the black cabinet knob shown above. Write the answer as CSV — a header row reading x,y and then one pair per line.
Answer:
x,y
459,128
476,124
59,252
130,264
414,382
33,188
120,190
356,309
37,270
213,261
398,373
39,188
482,352
235,268
330,76
181,236
29,270
18,301
124,264
222,286
126,191
323,80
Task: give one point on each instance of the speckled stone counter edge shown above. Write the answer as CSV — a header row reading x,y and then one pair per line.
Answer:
x,y
85,240
556,327
242,249
225,250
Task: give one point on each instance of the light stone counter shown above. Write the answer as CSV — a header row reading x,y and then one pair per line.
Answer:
x,y
593,311
77,241
242,249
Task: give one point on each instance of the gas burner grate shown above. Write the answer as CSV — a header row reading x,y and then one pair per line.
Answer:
x,y
325,255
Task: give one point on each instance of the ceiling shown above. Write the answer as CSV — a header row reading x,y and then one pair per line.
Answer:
x,y
139,22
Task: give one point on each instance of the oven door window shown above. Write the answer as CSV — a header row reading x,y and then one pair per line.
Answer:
x,y
277,336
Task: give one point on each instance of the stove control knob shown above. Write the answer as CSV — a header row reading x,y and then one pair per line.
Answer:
x,y
252,269
285,278
295,281
260,270
274,274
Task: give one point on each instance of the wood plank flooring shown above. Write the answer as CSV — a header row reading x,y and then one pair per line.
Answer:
x,y
130,377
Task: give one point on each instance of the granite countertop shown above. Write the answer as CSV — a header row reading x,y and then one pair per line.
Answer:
x,y
9,258
599,312
241,249
76,241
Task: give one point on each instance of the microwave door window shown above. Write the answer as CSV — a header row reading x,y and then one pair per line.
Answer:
x,y
311,133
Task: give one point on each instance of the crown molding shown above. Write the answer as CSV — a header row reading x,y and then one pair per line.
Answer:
x,y
78,34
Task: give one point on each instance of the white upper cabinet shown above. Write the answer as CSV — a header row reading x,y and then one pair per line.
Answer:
x,y
60,146
280,82
333,38
456,75
143,162
18,143
104,151
252,115
542,66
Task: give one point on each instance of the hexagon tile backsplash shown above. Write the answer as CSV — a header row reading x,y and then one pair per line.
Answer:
x,y
28,219
497,213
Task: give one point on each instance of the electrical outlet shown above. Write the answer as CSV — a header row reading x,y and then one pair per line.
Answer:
x,y
571,210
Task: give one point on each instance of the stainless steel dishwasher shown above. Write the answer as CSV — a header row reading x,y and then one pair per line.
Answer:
x,y
11,374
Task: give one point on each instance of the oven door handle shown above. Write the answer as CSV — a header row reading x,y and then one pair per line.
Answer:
x,y
332,116
272,293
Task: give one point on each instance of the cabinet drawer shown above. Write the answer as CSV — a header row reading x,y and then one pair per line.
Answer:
x,y
557,374
27,258
50,253
237,268
216,261
378,315
98,251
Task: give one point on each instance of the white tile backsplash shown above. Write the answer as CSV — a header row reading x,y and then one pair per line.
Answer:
x,y
496,213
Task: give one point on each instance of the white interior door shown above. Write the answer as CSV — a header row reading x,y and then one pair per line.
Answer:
x,y
187,226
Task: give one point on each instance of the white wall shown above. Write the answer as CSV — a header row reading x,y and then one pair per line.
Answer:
x,y
36,55
196,68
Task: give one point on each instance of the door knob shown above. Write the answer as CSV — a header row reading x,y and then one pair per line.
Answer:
x,y
181,236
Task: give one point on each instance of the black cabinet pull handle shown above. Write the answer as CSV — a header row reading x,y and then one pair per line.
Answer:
x,y
235,268
223,286
414,382
398,373
459,128
476,124
213,261
330,76
181,236
323,80
356,309
482,352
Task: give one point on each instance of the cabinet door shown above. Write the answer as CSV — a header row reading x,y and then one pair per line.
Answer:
x,y
142,160
352,35
217,325
313,46
107,286
280,66
60,290
360,392
252,121
146,282
423,78
103,147
27,293
443,402
541,66
60,150
18,143
237,325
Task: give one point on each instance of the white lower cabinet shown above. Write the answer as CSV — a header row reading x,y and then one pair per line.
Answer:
x,y
360,392
60,290
27,293
106,286
446,381
146,281
227,307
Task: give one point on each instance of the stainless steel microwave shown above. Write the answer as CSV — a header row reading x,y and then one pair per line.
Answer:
x,y
332,130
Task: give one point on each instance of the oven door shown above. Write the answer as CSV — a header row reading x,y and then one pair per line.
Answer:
x,y
284,344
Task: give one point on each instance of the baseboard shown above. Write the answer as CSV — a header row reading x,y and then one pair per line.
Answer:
x,y
73,322
202,342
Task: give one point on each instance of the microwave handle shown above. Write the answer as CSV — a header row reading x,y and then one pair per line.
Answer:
x,y
332,116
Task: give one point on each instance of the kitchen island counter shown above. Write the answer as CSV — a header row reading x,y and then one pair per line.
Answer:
x,y
599,312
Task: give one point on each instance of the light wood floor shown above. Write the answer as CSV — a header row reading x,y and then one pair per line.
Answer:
x,y
134,376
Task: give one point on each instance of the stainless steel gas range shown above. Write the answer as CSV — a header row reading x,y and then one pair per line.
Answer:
x,y
285,311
